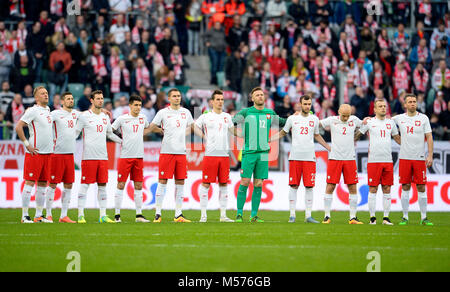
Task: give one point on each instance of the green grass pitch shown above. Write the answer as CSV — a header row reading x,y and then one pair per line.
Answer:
x,y
224,247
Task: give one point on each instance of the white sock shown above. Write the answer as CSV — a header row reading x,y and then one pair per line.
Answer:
x,y
179,192
327,200
372,203
65,201
203,193
49,197
82,194
138,201
102,200
40,200
405,203
292,201
353,203
118,198
386,204
26,196
160,193
423,204
309,196
223,200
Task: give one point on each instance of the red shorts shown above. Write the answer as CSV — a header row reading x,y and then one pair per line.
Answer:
x,y
94,171
37,167
380,173
216,167
130,166
412,171
172,164
336,167
62,168
297,169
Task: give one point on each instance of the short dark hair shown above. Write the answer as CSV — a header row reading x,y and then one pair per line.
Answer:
x,y
96,92
172,90
63,96
255,89
216,92
133,98
410,95
304,97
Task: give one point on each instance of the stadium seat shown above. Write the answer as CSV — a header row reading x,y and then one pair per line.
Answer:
x,y
76,89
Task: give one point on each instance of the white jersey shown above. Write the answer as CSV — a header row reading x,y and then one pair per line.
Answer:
x,y
174,124
216,128
303,131
413,130
94,128
342,137
39,123
64,130
132,129
380,143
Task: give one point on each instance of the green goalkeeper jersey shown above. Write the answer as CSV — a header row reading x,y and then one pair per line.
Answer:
x,y
257,124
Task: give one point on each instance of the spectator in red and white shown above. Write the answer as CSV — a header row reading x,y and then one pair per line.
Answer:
x,y
141,74
114,58
290,34
120,6
13,43
22,31
345,46
61,26
424,12
438,33
286,86
371,24
15,111
267,47
158,31
302,47
420,78
137,31
383,40
267,79
350,28
309,34
323,32
361,77
329,90
401,40
177,64
154,60
302,86
98,64
276,8
119,29
439,104
400,78
441,74
17,9
378,79
272,31
420,53
321,48
277,63
4,33
325,110
255,37
120,80
319,72
330,61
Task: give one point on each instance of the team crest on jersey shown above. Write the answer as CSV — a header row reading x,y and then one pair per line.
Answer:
x,y
311,123
183,116
104,121
418,123
388,126
350,124
226,120
141,120
268,116
74,116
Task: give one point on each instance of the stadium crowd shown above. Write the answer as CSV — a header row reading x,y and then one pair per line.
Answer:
x,y
333,50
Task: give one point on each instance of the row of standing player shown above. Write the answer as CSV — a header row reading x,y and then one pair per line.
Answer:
x,y
175,122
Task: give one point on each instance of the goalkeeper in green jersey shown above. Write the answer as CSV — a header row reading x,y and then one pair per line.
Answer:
x,y
257,122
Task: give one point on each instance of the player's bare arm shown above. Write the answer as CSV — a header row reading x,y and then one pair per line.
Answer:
x,y
197,131
429,137
358,135
153,128
397,139
21,135
235,131
322,142
278,136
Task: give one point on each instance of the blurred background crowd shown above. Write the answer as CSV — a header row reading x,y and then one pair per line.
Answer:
x,y
338,51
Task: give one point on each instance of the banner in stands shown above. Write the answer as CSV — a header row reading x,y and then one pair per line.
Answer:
x,y
274,197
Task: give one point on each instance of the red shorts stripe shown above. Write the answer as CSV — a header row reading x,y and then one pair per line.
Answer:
x,y
94,171
37,167
337,167
412,171
133,167
214,168
299,169
62,168
171,165
380,173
